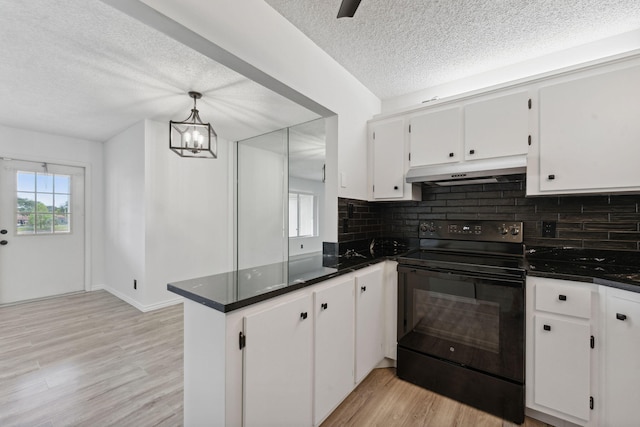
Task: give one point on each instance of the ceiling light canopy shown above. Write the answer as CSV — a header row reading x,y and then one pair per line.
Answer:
x,y
191,137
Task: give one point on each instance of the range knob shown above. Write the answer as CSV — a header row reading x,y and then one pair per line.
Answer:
x,y
515,231
424,227
503,230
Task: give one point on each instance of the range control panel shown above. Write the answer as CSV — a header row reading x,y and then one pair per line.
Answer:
x,y
488,231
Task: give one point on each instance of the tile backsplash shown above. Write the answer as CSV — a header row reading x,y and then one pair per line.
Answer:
x,y
594,222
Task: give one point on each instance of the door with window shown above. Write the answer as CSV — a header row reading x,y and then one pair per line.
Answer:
x,y
42,230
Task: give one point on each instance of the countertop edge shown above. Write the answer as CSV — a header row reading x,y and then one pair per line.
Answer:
x,y
226,308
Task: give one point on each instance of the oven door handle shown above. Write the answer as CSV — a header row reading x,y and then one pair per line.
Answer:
x,y
453,274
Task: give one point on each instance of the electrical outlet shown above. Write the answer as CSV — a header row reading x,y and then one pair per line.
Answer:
x,y
350,209
301,246
548,229
135,284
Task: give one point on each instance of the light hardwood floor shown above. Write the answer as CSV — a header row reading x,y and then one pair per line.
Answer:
x,y
382,399
91,359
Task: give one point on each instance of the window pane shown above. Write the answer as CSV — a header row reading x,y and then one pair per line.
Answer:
x,y
44,223
62,183
44,183
62,223
293,215
306,215
26,202
26,181
61,203
24,224
44,202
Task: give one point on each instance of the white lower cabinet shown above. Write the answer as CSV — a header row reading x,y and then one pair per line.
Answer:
x,y
621,358
562,365
370,329
334,307
277,381
561,378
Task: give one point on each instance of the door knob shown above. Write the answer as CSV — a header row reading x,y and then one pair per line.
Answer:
x,y
3,242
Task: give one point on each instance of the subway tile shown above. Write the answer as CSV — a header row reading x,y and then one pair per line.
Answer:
x,y
484,195
496,217
614,235
625,199
553,242
590,235
587,217
464,202
462,216
570,226
548,216
498,202
610,244
612,226
609,208
617,216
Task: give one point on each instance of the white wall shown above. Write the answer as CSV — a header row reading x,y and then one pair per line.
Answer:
x,y
125,214
187,215
36,146
167,217
268,42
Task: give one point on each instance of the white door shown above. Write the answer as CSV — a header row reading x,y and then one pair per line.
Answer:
x,y
388,159
369,322
42,226
334,346
278,365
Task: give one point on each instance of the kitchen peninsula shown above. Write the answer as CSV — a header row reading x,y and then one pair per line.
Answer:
x,y
254,344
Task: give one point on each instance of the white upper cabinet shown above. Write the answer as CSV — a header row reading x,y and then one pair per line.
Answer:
x,y
389,161
589,133
497,126
436,137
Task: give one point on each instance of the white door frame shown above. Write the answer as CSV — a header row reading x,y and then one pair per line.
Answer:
x,y
88,213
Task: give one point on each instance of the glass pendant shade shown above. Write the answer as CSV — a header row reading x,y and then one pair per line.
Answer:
x,y
192,137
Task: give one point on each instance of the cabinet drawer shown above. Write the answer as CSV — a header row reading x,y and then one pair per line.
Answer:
x,y
563,299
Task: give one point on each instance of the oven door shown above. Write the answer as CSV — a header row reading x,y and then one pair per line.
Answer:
x,y
463,318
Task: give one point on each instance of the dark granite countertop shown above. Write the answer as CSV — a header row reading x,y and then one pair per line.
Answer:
x,y
237,289
618,269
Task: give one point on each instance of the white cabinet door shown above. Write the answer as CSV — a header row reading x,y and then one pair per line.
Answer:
x,y
277,386
590,133
562,365
622,364
369,321
436,137
389,164
497,127
334,346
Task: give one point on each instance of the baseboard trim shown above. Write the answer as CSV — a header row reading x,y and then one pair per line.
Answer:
x,y
143,308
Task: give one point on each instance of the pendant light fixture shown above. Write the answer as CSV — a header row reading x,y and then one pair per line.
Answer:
x,y
192,137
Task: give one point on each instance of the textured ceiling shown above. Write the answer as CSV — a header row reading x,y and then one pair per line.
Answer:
x,y
396,47
81,68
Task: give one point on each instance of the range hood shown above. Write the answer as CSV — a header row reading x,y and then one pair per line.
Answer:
x,y
470,172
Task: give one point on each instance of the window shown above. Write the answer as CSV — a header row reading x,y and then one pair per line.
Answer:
x,y
43,203
302,215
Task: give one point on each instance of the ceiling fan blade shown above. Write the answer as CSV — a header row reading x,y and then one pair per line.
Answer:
x,y
348,8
